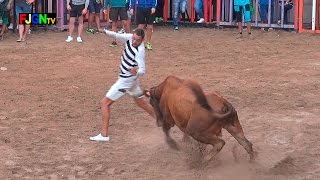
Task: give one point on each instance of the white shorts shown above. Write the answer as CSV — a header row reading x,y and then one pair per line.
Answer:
x,y
130,85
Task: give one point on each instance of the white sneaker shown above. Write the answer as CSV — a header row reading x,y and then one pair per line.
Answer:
x,y
69,39
10,26
99,137
79,40
201,20
279,22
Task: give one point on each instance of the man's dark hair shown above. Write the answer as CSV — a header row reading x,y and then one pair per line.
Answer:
x,y
139,32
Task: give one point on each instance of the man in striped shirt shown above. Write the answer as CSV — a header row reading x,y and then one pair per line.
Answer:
x,y
132,67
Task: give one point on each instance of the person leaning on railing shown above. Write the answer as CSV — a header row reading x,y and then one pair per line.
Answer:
x,y
287,5
264,9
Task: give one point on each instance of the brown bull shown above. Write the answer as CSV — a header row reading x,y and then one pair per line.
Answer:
x,y
183,103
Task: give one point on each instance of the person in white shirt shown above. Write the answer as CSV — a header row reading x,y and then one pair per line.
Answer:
x,y
77,8
132,67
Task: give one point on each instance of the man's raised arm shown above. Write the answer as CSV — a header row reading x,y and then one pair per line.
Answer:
x,y
122,37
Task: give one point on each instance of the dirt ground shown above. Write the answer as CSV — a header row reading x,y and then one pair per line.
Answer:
x,y
51,90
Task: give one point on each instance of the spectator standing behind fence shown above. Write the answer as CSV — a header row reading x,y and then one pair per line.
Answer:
x,y
5,16
264,9
243,8
22,6
94,15
145,15
77,8
198,7
288,4
179,7
117,10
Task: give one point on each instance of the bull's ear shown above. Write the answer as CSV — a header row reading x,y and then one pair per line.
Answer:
x,y
146,93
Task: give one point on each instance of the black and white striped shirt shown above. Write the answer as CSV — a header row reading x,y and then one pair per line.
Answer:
x,y
131,56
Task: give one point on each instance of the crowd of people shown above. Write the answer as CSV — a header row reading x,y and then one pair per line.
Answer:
x,y
120,13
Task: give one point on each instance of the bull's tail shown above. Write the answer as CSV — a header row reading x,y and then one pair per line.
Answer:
x,y
202,100
200,96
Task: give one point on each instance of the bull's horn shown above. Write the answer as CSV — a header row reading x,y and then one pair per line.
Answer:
x,y
146,93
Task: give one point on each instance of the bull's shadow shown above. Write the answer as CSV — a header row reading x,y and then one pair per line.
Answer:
x,y
182,103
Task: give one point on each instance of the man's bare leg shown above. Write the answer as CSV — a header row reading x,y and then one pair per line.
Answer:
x,y
80,27
97,18
149,32
114,29
105,112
